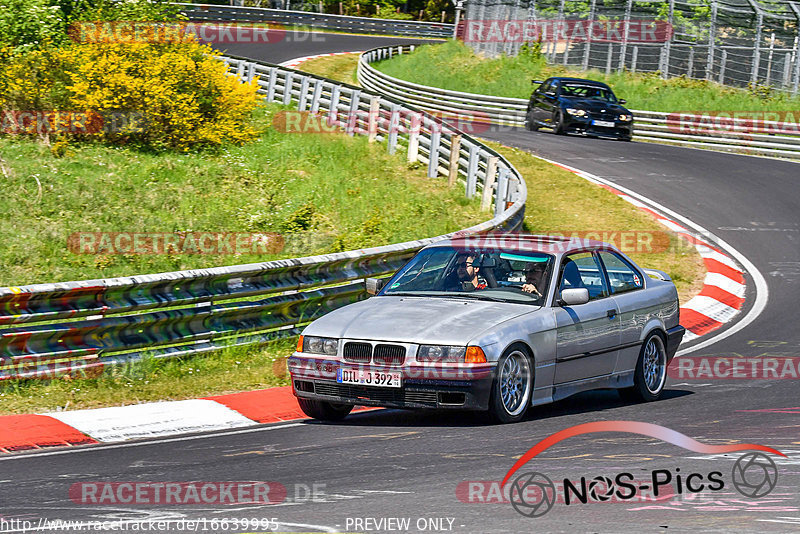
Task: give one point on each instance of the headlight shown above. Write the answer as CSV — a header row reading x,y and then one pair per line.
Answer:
x,y
440,353
320,345
626,118
577,112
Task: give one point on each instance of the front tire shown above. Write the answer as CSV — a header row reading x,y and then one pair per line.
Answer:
x,y
558,123
512,387
322,410
650,375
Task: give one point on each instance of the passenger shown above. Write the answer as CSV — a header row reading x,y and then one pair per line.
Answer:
x,y
534,278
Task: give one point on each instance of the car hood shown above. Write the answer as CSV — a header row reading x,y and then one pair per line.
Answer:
x,y
594,106
433,320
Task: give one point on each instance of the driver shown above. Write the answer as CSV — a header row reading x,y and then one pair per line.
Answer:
x,y
467,274
534,278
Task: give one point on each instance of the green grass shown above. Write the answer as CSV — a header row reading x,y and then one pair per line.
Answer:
x,y
323,193
341,68
453,65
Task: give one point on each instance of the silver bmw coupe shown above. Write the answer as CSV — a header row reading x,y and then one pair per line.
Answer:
x,y
493,323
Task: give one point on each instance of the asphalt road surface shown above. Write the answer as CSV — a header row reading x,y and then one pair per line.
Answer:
x,y
435,469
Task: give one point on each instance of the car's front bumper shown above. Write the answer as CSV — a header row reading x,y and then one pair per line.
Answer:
x,y
620,130
462,387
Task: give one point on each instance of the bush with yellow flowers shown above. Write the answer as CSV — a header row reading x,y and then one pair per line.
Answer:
x,y
159,95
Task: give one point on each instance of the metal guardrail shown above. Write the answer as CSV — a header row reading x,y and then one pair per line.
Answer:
x,y
737,135
47,330
217,13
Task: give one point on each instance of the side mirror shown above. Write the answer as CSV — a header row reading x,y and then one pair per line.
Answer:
x,y
575,296
374,285
622,101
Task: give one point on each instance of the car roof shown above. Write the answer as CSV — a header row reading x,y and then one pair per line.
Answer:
x,y
546,244
581,80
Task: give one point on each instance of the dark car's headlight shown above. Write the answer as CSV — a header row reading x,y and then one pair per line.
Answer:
x,y
625,118
320,345
577,112
447,353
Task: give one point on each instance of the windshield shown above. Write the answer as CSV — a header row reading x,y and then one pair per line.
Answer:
x,y
480,274
595,92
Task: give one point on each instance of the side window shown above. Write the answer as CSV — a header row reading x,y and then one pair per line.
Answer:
x,y
622,276
583,270
550,88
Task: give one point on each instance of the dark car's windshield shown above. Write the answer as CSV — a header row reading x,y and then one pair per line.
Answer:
x,y
580,90
481,274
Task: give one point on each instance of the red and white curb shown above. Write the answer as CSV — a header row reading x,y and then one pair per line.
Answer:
x,y
722,296
294,63
148,420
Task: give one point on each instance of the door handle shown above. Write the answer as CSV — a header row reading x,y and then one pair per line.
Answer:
x,y
611,313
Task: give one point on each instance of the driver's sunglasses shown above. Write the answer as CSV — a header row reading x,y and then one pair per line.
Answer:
x,y
464,264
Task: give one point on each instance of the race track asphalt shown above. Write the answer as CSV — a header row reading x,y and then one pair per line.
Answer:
x,y
393,464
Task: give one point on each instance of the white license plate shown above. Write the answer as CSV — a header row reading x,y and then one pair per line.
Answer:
x,y
605,124
364,377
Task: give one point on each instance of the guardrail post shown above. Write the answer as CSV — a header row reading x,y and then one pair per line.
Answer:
x,y
374,109
240,69
251,71
273,75
433,157
413,138
301,105
333,113
287,88
500,195
634,58
488,183
394,125
315,97
472,171
455,154
722,63
352,118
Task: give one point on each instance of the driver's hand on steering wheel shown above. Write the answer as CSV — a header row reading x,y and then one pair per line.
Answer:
x,y
530,288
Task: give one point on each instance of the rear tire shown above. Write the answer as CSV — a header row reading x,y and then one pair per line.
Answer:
x,y
324,411
650,375
512,387
530,122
